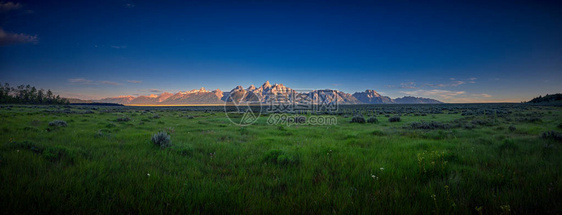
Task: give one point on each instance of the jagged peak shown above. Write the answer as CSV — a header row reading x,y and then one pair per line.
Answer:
x,y
266,85
238,88
368,96
372,92
201,90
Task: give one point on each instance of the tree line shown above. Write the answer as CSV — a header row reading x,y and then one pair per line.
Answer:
x,y
27,94
547,98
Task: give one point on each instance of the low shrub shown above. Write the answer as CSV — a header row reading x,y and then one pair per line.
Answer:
x,y
429,125
358,119
161,139
58,123
552,135
373,120
123,119
512,128
394,119
534,120
482,122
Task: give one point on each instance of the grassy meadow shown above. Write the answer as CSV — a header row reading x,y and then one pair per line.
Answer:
x,y
439,159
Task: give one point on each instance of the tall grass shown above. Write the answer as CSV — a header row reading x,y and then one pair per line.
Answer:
x,y
213,166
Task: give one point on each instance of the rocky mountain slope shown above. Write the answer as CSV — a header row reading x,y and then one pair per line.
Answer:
x,y
372,97
266,93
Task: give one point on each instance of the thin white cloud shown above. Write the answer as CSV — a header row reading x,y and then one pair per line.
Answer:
x,y
482,95
151,90
134,81
441,94
80,81
457,83
452,96
408,85
7,38
8,6
451,84
390,86
110,83
84,81
118,47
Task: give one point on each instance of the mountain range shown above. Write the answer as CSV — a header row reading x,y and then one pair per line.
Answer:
x,y
265,93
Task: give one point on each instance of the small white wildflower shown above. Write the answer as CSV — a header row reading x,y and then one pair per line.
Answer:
x,y
374,177
382,169
148,174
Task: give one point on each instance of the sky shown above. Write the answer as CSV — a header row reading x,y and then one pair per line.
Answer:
x,y
453,51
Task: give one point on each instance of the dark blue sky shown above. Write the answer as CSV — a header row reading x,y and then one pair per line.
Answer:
x,y
451,51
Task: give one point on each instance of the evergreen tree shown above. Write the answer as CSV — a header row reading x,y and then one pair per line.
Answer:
x,y
27,94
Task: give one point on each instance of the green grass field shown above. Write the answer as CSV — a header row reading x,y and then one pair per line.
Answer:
x,y
99,165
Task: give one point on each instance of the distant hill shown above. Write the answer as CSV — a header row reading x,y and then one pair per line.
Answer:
x,y
372,97
265,93
554,98
118,100
415,100
75,100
